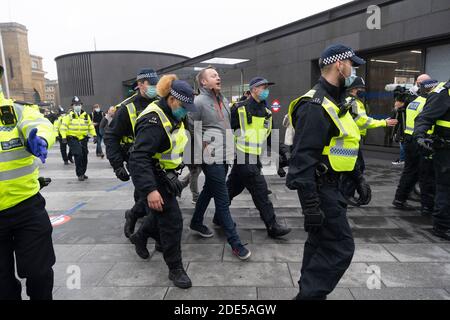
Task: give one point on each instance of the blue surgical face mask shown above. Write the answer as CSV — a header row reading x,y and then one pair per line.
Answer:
x,y
264,95
361,94
151,92
349,81
179,113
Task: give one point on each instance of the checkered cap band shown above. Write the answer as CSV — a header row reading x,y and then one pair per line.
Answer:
x,y
259,83
430,85
147,76
338,57
181,97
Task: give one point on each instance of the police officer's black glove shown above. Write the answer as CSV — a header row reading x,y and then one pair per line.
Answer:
x,y
44,182
122,174
426,143
314,219
95,140
364,191
173,185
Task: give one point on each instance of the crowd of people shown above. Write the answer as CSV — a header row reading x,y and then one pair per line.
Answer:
x,y
148,135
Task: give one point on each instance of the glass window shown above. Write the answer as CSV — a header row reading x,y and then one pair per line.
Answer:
x,y
401,68
438,64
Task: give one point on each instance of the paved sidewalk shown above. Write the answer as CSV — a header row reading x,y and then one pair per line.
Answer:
x,y
413,263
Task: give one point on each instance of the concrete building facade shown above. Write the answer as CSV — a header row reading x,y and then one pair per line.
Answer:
x,y
101,76
413,37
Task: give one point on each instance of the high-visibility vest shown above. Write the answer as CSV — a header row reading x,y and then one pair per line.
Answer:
x,y
363,121
412,111
19,169
78,126
57,125
442,127
342,152
171,158
132,114
251,137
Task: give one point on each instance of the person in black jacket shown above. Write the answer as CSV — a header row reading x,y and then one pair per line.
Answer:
x,y
155,160
437,112
319,157
119,137
96,117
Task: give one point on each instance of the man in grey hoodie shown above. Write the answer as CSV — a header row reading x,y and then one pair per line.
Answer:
x,y
216,138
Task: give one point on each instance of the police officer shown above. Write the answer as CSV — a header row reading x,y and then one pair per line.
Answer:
x,y
75,130
418,164
326,143
119,137
154,160
62,145
359,111
25,228
437,112
252,121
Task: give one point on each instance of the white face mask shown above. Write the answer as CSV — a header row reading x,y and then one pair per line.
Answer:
x,y
77,109
97,110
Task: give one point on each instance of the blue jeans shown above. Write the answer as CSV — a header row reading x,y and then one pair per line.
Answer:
x,y
215,187
402,152
99,144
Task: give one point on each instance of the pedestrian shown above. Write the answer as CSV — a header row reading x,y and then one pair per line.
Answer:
x,y
120,136
215,116
437,112
359,110
326,144
26,245
96,117
75,130
62,144
252,122
155,161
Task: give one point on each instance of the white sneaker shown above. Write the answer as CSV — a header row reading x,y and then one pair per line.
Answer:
x,y
398,163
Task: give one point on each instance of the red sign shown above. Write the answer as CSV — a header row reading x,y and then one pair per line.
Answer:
x,y
276,106
59,220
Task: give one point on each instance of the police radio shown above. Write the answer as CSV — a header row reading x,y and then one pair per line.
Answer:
x,y
7,115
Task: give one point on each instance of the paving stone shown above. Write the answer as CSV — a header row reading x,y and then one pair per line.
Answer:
x,y
418,252
289,293
246,274
355,276
113,253
197,253
212,293
137,274
271,253
400,294
71,253
297,236
112,293
372,253
420,275
91,274
373,222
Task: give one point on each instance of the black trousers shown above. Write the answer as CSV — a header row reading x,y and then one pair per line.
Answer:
x,y
165,228
139,209
329,252
80,151
441,216
248,176
349,182
26,232
417,168
63,149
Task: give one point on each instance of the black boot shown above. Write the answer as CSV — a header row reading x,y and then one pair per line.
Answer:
x,y
130,223
403,205
276,230
140,245
426,211
442,233
180,278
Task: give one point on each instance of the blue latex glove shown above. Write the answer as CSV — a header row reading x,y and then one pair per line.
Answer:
x,y
36,145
